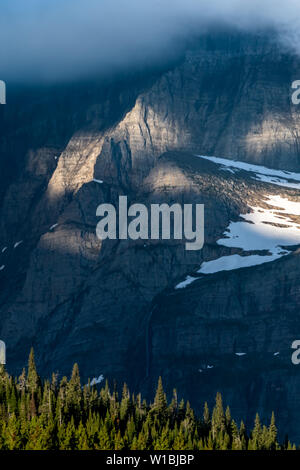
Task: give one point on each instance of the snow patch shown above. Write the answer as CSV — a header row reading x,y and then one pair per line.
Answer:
x,y
97,181
260,173
258,232
96,381
18,243
2,267
188,281
229,263
4,249
265,230
277,181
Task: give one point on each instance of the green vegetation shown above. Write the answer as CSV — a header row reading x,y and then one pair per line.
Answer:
x,y
36,415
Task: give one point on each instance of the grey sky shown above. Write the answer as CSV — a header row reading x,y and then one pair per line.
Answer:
x,y
55,39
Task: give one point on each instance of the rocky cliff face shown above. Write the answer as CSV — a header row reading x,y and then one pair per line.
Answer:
x,y
233,332
112,306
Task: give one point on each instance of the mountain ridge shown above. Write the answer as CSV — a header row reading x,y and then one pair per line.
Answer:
x,y
76,299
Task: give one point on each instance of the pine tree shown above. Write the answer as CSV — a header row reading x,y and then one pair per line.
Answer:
x,y
22,381
36,415
243,436
160,401
206,415
272,438
33,380
74,394
218,418
174,406
255,442
12,435
228,419
162,442
142,440
119,442
68,438
236,438
125,403
104,439
179,441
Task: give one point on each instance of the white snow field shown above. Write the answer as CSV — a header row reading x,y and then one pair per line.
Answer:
x,y
283,178
267,230
257,232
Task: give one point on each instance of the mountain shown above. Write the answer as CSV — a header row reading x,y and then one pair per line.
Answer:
x,y
128,310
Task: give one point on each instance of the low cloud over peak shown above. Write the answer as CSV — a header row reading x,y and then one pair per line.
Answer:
x,y
64,39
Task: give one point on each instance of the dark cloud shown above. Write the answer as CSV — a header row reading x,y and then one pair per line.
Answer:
x,y
62,39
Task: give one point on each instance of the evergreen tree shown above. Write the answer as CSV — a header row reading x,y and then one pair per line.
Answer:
x,y
218,418
39,415
256,440
160,401
73,396
33,380
179,441
272,434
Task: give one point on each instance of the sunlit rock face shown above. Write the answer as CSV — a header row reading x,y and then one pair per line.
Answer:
x,y
229,98
113,307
